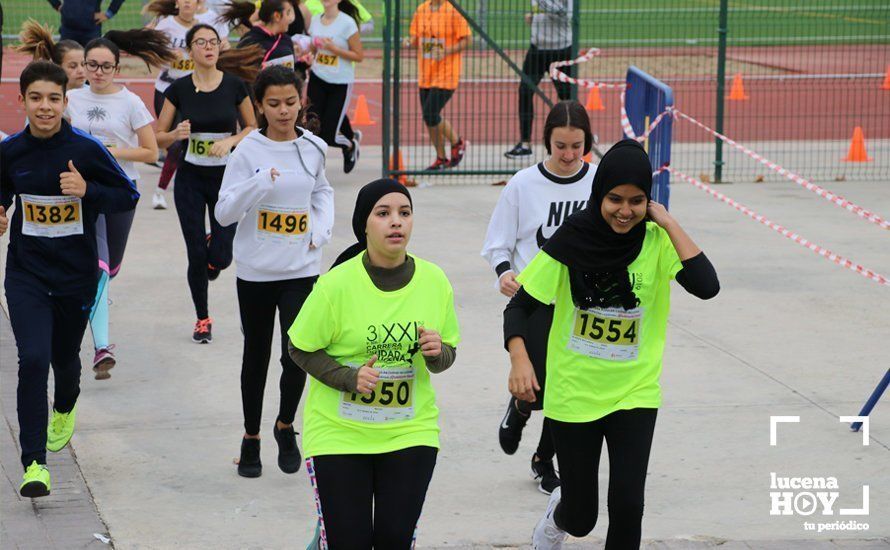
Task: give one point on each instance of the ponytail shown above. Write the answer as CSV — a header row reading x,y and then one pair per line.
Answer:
x,y
149,45
239,13
37,41
161,8
241,62
351,10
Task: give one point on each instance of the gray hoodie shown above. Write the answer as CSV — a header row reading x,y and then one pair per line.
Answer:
x,y
552,24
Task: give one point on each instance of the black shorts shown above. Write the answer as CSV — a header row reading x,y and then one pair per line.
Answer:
x,y
432,101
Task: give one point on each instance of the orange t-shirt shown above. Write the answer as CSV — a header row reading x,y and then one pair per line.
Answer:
x,y
438,29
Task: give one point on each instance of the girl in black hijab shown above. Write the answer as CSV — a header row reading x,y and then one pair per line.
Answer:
x,y
607,269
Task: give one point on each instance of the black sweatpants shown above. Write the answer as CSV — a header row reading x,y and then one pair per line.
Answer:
x,y
48,330
194,195
328,103
371,501
628,435
539,323
258,302
535,65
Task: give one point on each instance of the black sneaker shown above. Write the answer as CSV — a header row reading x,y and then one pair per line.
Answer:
x,y
212,273
249,464
544,471
289,458
350,157
510,430
518,151
202,333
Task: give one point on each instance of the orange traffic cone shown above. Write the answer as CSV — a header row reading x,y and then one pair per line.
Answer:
x,y
737,92
886,84
857,151
594,101
397,163
362,115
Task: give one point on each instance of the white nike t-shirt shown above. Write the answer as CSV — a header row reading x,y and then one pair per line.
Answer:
x,y
531,207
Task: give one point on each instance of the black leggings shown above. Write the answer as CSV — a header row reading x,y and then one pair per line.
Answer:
x,y
328,104
258,302
628,435
536,64
536,345
371,501
194,195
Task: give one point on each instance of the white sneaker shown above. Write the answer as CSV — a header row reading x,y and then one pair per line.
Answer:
x,y
547,535
357,139
158,201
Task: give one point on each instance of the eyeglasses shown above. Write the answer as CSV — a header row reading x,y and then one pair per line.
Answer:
x,y
104,67
203,42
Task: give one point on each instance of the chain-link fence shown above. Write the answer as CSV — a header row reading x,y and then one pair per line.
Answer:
x,y
792,79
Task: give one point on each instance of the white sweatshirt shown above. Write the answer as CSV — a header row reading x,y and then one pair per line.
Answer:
x,y
531,207
277,220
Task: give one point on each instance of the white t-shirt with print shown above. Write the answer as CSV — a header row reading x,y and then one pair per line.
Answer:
x,y
211,17
112,118
328,66
184,66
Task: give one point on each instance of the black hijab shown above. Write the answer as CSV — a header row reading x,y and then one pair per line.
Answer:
x,y
364,204
597,256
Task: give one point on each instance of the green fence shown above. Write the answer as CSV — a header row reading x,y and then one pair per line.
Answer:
x,y
810,72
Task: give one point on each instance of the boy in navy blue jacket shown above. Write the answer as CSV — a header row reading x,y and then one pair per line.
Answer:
x,y
60,179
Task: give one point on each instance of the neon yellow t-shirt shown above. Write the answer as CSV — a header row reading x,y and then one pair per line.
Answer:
x,y
351,319
604,360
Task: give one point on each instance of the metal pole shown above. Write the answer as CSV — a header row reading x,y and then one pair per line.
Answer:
x,y
873,400
722,31
387,85
576,37
396,75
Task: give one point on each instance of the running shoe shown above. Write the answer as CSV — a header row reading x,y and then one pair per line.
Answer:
x,y
289,458
249,464
510,430
212,273
457,152
35,482
440,164
103,362
518,151
203,334
350,157
158,200
547,536
60,429
544,471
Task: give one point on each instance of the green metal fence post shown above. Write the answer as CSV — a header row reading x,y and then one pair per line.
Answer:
x,y
387,90
722,31
576,36
396,78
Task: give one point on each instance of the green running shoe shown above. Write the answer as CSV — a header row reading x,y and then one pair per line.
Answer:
x,y
60,430
35,482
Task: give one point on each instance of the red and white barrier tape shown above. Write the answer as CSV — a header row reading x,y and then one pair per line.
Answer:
x,y
626,126
824,252
803,182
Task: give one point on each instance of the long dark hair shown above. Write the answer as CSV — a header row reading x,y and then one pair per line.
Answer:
x,y
161,8
279,75
37,41
149,45
568,113
238,13
241,62
351,10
